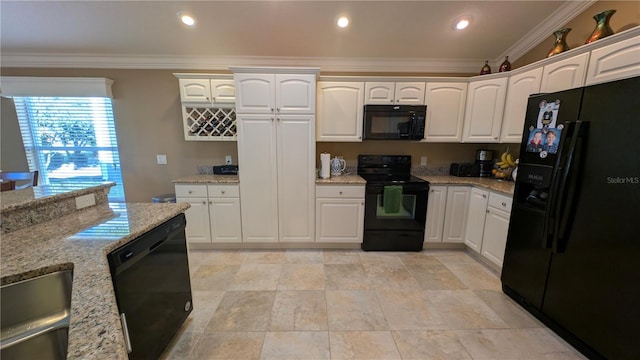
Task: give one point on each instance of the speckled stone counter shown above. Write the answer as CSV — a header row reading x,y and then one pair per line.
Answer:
x,y
505,187
81,241
208,179
342,180
33,205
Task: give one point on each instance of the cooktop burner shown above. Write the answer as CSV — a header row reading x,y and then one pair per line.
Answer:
x,y
394,169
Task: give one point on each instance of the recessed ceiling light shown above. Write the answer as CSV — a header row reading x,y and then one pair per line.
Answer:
x,y
343,22
462,22
186,18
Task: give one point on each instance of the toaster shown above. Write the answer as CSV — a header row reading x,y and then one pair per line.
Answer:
x,y
464,169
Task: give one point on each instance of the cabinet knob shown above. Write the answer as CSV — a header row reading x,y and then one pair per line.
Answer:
x,y
190,191
210,202
359,137
484,196
222,191
272,119
504,204
277,109
362,203
278,119
487,211
271,109
340,192
495,137
204,203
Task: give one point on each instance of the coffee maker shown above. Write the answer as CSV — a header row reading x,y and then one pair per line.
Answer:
x,y
484,160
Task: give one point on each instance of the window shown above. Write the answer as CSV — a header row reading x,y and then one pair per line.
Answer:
x,y
71,141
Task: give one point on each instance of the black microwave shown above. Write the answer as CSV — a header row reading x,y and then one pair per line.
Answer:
x,y
394,122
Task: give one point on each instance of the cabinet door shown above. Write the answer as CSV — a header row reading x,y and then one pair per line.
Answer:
x,y
409,93
339,220
445,111
223,91
196,91
224,216
379,93
258,178
614,62
296,94
339,111
296,177
435,213
255,93
476,218
495,235
564,74
518,91
485,106
455,219
198,229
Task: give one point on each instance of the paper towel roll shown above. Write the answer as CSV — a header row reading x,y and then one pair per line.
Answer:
x,y
325,165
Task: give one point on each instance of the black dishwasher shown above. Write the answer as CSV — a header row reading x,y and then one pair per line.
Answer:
x,y
153,291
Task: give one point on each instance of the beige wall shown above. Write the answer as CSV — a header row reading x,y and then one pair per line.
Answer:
x,y
148,117
626,17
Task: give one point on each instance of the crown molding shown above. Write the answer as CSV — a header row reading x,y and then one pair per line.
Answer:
x,y
96,61
565,13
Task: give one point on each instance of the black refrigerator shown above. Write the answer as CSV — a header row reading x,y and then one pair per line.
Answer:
x,y
573,249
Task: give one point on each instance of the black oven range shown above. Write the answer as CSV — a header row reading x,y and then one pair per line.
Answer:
x,y
395,204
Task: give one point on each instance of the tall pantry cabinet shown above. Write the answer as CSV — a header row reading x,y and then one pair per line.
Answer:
x,y
276,152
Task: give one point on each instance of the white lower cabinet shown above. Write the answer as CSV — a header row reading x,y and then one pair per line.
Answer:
x,y
339,213
488,224
436,206
214,215
476,218
447,214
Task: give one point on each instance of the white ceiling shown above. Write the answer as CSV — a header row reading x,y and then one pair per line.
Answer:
x,y
391,36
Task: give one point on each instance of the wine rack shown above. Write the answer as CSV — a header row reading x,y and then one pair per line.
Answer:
x,y
209,123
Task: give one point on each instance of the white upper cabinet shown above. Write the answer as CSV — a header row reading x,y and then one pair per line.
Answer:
x,y
275,93
484,110
445,111
295,94
387,92
520,87
339,111
614,62
564,74
212,92
256,93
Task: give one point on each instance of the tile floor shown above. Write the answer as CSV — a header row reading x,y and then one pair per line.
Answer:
x,y
322,304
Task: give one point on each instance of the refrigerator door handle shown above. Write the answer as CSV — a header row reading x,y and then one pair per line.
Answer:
x,y
568,186
558,182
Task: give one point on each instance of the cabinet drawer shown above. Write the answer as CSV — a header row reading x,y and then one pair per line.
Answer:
x,y
224,191
333,191
501,202
190,190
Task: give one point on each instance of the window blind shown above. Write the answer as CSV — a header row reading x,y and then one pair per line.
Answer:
x,y
71,141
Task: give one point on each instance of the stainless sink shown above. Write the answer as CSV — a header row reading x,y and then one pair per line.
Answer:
x,y
35,317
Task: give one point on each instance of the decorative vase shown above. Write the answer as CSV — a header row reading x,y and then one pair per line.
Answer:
x,y
486,69
505,66
602,29
561,42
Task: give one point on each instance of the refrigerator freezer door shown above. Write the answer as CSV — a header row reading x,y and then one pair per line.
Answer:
x,y
593,286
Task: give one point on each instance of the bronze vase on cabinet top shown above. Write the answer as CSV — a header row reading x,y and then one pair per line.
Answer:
x,y
602,29
560,44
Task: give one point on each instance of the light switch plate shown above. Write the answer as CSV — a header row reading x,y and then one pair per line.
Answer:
x,y
161,159
423,160
84,201
227,160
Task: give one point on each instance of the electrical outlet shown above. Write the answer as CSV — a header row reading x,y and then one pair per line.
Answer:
x,y
423,160
84,201
227,160
161,159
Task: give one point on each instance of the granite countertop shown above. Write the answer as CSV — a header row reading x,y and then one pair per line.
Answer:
x,y
81,241
38,195
342,180
505,187
207,179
